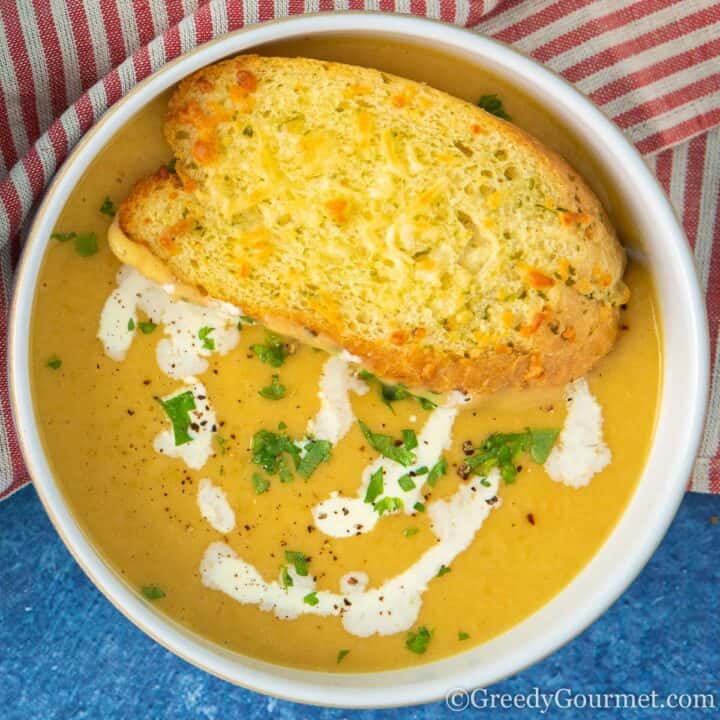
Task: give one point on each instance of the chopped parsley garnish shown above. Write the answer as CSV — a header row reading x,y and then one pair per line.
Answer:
x,y
444,570
555,210
171,166
342,654
284,471
108,207
438,470
418,642
178,410
208,343
311,599
541,443
393,393
388,505
146,327
299,561
286,577
131,324
316,452
410,439
222,443
269,450
386,446
463,635
406,483
54,362
274,391
388,393
425,403
86,244
419,507
409,532
500,450
375,486
152,592
273,352
268,447
245,320
260,483
493,104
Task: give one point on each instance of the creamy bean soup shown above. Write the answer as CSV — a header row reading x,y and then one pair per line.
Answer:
x,y
285,503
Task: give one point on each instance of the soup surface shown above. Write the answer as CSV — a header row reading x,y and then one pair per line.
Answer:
x,y
100,419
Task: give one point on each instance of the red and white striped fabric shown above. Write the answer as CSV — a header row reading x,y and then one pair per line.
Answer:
x,y
652,65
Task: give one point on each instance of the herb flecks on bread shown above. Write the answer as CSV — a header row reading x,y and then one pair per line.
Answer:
x,y
442,245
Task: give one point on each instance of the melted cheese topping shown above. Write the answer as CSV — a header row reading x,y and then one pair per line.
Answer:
x,y
580,451
214,507
340,516
390,608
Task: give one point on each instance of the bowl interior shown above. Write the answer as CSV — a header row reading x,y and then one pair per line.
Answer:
x,y
465,65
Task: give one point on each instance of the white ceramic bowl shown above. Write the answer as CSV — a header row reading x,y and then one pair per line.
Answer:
x,y
680,420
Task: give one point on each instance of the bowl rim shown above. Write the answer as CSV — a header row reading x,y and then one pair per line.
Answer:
x,y
395,687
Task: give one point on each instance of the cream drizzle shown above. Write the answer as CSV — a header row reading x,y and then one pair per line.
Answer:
x,y
215,507
340,516
580,452
390,608
182,352
335,416
204,424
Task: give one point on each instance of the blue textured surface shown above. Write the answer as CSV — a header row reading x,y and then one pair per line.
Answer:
x,y
66,653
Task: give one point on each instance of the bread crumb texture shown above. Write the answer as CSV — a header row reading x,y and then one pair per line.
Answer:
x,y
444,246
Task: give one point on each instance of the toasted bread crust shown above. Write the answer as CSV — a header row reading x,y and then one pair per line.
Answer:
x,y
557,332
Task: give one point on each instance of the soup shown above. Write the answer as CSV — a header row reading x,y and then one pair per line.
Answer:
x,y
288,572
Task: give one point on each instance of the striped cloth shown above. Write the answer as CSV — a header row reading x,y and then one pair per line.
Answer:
x,y
653,66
